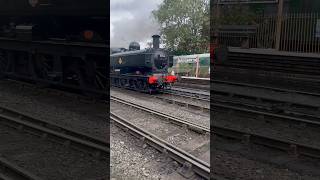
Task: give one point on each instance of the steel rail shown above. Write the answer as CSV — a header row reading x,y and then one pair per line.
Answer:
x,y
272,62
189,90
192,85
47,129
273,142
289,100
188,105
269,109
178,121
188,94
266,75
272,68
306,113
58,84
263,114
200,167
178,93
54,91
265,87
12,169
181,103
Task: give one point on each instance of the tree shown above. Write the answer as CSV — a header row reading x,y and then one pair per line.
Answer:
x,y
185,25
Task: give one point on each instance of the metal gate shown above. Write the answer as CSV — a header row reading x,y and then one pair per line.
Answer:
x,y
298,33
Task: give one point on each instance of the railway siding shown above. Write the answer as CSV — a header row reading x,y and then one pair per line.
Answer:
x,y
188,137
45,152
189,162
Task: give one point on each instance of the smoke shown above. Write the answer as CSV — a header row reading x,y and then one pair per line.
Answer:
x,y
131,20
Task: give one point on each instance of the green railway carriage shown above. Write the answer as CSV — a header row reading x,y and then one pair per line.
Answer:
x,y
196,65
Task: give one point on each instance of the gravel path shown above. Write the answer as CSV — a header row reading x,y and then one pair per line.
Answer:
x,y
86,117
158,105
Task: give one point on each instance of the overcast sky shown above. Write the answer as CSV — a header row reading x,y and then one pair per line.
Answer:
x,y
131,20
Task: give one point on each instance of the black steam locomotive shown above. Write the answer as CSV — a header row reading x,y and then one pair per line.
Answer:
x,y
55,42
71,20
142,70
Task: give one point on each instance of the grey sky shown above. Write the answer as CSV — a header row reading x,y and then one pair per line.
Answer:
x,y
131,20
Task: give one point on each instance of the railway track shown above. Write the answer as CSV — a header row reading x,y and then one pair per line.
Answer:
x,y
77,142
261,115
289,63
184,104
290,146
284,102
54,92
9,170
265,88
189,93
175,120
28,142
299,82
50,131
195,83
310,121
272,67
240,100
195,106
193,159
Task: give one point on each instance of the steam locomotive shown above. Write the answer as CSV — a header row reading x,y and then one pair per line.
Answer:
x,y
142,70
55,42
71,20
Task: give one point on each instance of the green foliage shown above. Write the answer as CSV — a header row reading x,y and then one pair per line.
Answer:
x,y
235,14
185,25
238,15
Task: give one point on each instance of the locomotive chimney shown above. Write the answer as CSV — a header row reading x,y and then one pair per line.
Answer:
x,y
156,41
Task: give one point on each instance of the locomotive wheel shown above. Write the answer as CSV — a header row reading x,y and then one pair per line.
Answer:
x,y
70,73
116,82
123,83
91,77
41,70
141,86
131,84
135,85
42,67
150,91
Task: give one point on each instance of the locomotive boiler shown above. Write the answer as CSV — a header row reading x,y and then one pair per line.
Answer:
x,y
142,70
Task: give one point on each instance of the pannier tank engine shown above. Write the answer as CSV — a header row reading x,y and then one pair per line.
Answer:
x,y
142,70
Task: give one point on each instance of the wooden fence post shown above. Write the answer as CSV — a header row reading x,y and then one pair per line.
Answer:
x,y
279,24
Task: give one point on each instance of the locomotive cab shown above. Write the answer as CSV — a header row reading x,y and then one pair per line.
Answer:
x,y
160,61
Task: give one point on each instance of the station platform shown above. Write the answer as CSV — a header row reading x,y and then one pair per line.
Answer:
x,y
272,52
194,82
195,78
